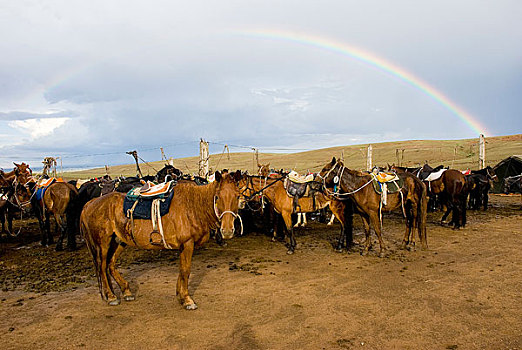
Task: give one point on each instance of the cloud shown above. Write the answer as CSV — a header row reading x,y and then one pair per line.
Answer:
x,y
38,127
19,115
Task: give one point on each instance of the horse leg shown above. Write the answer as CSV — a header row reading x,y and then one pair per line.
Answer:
x,y
376,223
304,219
59,227
116,250
463,212
406,241
70,228
107,292
366,223
457,207
182,292
287,217
449,208
47,229
342,235
299,216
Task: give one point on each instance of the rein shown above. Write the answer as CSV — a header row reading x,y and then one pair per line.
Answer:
x,y
248,198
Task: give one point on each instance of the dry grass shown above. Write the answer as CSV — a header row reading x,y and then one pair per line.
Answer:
x,y
460,154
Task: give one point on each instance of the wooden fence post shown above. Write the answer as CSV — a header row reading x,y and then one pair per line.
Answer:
x,y
369,158
482,151
203,158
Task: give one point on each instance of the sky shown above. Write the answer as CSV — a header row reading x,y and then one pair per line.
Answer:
x,y
88,80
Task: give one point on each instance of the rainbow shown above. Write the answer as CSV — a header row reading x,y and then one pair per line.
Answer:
x,y
377,62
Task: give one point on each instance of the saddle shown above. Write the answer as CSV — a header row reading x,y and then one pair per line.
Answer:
x,y
150,202
435,175
43,184
384,183
298,186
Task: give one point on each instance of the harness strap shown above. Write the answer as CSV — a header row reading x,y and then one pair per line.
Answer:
x,y
157,226
130,214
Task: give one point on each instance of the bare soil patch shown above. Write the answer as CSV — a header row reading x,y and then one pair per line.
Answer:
x,y
463,293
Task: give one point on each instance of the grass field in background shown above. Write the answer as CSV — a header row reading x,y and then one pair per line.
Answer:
x,y
459,154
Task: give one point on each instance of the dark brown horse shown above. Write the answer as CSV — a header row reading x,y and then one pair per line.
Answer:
x,y
452,191
358,186
272,188
193,212
60,201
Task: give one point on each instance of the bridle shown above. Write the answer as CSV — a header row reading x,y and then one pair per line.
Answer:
x,y
250,181
337,182
220,216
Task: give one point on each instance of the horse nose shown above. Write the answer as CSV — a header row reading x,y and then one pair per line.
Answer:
x,y
228,234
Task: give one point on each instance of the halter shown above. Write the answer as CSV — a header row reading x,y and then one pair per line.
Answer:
x,y
249,181
337,186
220,216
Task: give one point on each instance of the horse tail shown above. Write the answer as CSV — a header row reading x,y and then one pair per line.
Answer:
x,y
422,214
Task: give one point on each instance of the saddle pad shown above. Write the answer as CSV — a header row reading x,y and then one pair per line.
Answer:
x,y
40,193
144,206
299,179
435,176
150,190
45,182
386,177
391,186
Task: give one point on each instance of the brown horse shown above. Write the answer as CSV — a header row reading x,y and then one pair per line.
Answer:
x,y
452,190
357,186
272,188
60,201
193,212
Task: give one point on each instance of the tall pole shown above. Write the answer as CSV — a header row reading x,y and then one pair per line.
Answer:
x,y
482,151
203,158
369,158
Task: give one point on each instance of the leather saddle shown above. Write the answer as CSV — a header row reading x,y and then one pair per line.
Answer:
x,y
297,186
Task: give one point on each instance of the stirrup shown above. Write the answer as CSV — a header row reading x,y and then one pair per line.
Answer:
x,y
155,238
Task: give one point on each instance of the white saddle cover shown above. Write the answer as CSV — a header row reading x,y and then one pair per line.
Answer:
x,y
436,175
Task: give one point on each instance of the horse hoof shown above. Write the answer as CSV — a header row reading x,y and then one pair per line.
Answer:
x,y
381,255
339,250
129,298
190,306
71,248
290,252
114,302
59,248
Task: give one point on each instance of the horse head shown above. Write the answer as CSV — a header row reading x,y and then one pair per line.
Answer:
x,y
263,169
23,173
226,201
330,173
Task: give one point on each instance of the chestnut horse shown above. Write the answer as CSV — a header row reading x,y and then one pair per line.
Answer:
x,y
272,188
193,212
354,184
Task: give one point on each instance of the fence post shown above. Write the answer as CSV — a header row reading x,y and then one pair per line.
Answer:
x,y
482,151
203,158
369,158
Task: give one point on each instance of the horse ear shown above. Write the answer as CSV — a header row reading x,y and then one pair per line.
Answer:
x,y
237,175
17,165
333,161
217,176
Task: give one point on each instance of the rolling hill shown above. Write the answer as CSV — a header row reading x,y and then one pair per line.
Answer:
x,y
459,154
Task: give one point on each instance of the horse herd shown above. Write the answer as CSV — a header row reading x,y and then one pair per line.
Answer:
x,y
198,208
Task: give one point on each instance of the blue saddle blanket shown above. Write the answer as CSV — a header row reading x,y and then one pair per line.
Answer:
x,y
144,206
40,193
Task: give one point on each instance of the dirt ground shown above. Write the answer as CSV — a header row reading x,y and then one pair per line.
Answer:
x,y
463,293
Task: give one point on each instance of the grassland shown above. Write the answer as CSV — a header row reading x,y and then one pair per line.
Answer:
x,y
459,154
